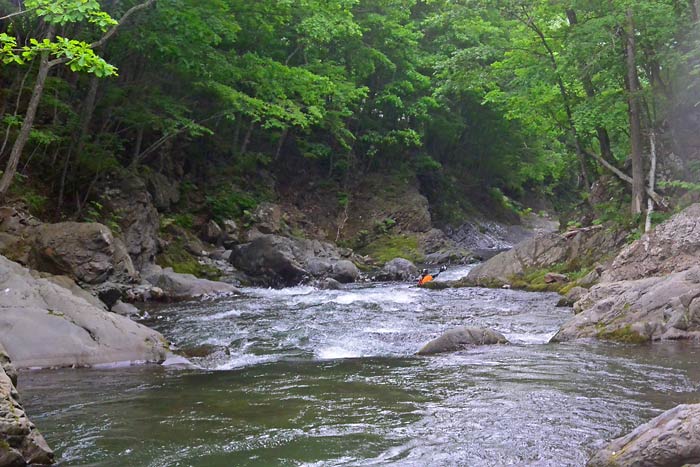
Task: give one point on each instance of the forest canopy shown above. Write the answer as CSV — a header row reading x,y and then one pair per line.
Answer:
x,y
506,97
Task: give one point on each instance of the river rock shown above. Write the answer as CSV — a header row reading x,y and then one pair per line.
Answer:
x,y
637,311
231,233
345,272
546,250
461,338
553,277
129,204
572,296
670,247
87,252
177,286
21,443
212,232
44,325
125,309
438,248
398,269
268,218
671,439
282,261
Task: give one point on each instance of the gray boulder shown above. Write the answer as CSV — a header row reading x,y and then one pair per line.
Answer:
x,y
22,443
671,439
671,247
164,191
268,218
654,308
176,286
125,309
231,233
398,269
461,338
87,252
212,232
45,325
282,261
583,247
345,272
275,258
127,201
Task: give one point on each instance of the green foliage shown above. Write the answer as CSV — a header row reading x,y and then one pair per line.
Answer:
x,y
387,247
230,205
175,256
95,212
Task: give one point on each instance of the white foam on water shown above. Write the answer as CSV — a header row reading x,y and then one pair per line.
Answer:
x,y
244,360
529,338
221,315
336,352
377,297
381,330
286,292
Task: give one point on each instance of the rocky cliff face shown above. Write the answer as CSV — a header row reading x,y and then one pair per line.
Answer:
x,y
20,441
547,250
651,290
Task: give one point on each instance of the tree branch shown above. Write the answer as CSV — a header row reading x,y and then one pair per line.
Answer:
x,y
658,199
124,17
16,13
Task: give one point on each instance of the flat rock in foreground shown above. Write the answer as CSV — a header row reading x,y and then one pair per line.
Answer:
x,y
461,338
671,439
43,324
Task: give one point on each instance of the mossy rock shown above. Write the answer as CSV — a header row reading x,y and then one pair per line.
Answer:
x,y
386,248
175,256
624,334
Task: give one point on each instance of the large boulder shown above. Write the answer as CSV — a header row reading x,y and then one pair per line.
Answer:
x,y
638,311
545,250
21,443
87,252
129,204
272,257
461,338
163,191
177,286
671,247
43,324
345,272
398,269
282,261
649,292
671,439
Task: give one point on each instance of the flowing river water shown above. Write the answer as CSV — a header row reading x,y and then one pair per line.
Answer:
x,y
302,376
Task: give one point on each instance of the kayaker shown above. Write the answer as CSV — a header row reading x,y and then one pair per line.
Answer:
x,y
426,277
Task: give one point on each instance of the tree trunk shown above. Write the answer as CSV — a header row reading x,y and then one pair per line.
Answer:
x,y
652,179
247,138
638,189
27,123
79,139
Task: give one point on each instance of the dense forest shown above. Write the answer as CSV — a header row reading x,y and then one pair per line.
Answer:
x,y
350,232
487,103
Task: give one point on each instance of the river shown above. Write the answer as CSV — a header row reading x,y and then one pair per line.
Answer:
x,y
301,376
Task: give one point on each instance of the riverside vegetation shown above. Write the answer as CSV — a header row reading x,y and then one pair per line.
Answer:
x,y
169,150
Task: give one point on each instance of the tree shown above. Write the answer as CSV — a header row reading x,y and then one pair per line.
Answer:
x,y
53,51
